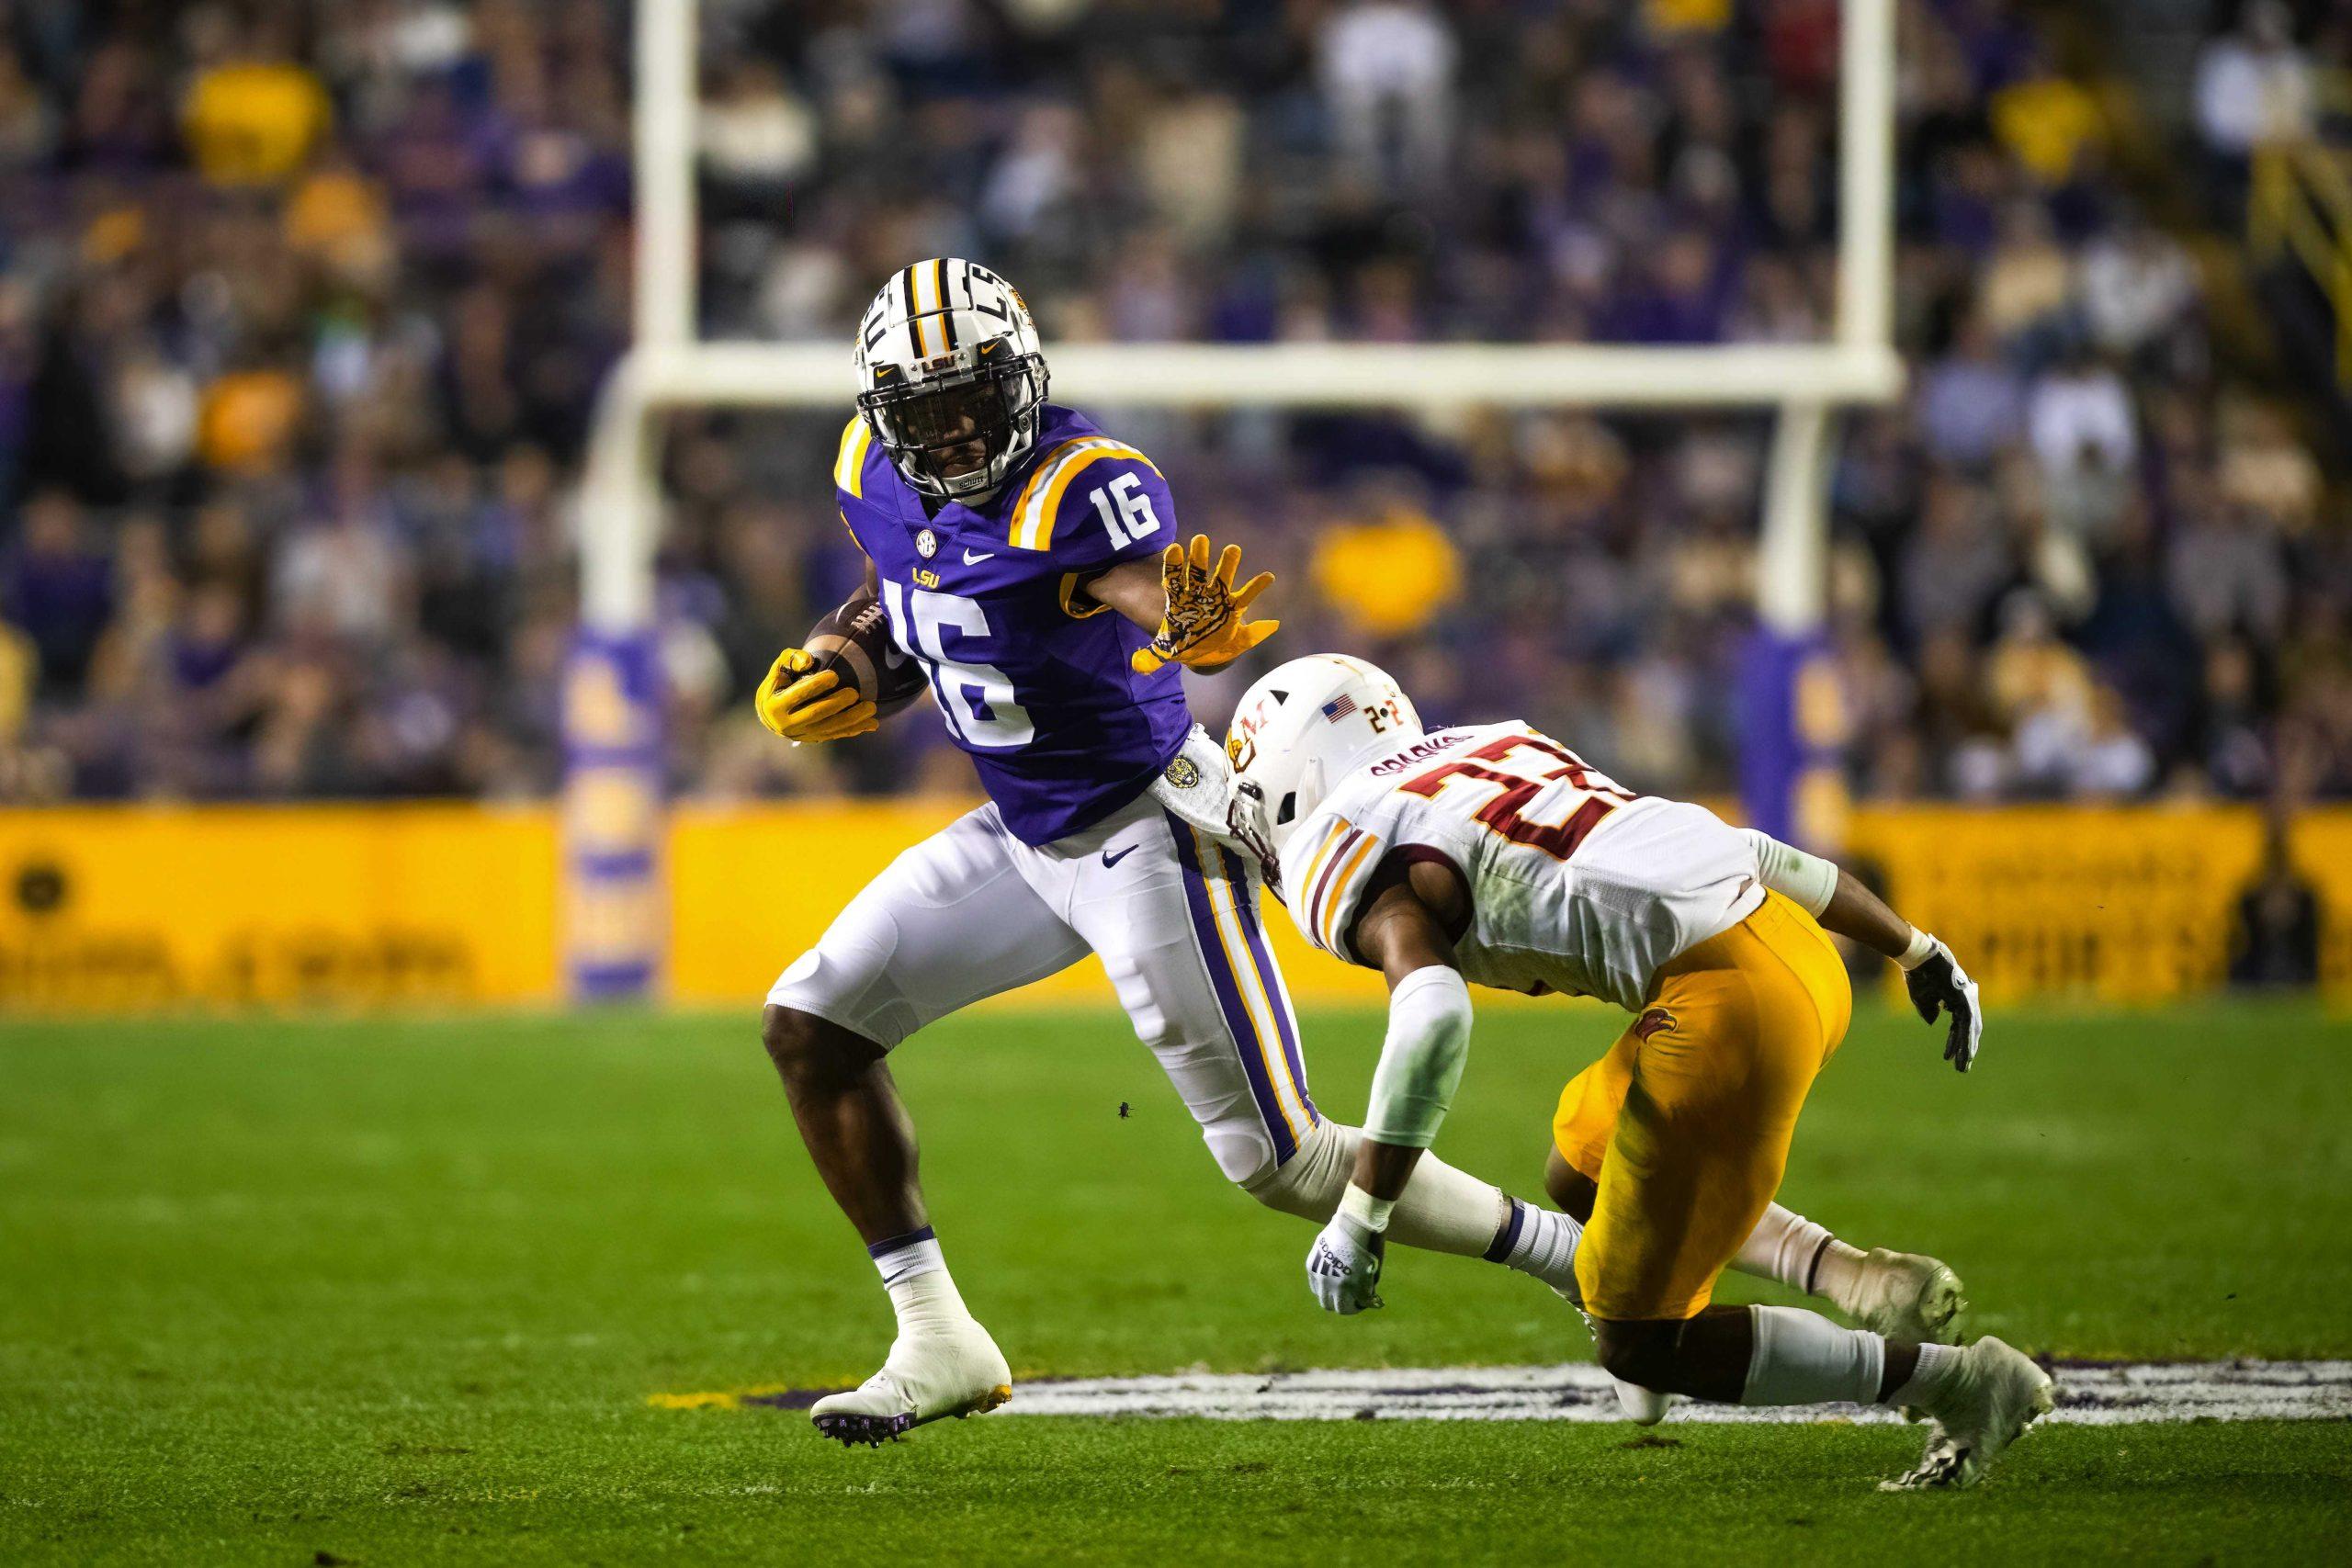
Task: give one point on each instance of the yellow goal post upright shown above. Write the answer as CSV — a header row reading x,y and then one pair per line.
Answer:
x,y
615,902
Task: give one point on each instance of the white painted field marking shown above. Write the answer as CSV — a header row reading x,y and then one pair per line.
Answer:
x,y
2093,1394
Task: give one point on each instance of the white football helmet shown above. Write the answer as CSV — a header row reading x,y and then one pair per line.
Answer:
x,y
951,378
1306,726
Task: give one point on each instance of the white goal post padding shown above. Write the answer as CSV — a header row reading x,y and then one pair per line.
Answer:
x,y
667,366
670,368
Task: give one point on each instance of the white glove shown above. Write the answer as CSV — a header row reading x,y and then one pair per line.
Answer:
x,y
1343,1265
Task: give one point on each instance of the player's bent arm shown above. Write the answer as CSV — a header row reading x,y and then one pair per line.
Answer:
x,y
1133,588
1838,900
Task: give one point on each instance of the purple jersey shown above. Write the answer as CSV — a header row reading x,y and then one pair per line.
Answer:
x,y
1031,676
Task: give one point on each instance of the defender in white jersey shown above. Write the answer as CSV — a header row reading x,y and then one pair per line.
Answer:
x,y
1493,854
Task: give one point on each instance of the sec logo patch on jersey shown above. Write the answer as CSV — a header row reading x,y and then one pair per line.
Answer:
x,y
926,543
1183,772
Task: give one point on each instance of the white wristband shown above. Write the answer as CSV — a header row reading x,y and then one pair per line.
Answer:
x,y
1922,948
1366,1210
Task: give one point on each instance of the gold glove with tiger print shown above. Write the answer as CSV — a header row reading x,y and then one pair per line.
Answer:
x,y
1205,626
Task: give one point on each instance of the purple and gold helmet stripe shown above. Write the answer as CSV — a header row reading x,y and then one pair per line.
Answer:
x,y
946,309
914,315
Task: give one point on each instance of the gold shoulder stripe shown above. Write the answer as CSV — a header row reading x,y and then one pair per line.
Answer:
x,y
1301,900
1036,477
1347,878
1033,514
1315,860
849,466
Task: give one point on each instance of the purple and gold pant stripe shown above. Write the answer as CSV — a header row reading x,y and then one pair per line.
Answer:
x,y
1248,987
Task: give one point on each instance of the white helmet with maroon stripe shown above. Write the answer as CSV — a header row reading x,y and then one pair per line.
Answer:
x,y
1306,726
950,377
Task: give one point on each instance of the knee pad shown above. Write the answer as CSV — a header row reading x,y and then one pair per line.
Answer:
x,y
849,983
1246,1158
1310,1182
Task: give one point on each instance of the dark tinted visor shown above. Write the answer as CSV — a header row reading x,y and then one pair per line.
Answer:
x,y
931,421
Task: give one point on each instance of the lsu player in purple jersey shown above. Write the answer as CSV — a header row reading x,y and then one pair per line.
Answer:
x,y
1028,561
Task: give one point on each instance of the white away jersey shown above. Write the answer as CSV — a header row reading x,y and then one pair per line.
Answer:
x,y
1576,884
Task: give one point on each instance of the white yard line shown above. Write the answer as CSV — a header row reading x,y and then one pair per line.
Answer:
x,y
2089,1393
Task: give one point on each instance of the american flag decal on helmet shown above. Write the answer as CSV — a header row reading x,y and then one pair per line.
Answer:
x,y
1338,707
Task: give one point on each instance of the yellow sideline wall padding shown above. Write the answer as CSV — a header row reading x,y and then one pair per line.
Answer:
x,y
130,909
2114,904
126,909
752,887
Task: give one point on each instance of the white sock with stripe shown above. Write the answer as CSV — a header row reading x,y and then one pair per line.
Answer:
x,y
1443,1209
1541,1242
922,1293
1440,1210
1789,1247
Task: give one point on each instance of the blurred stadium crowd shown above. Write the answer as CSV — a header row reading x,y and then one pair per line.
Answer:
x,y
303,308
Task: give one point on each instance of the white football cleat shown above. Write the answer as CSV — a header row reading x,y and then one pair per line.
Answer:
x,y
1903,1295
960,1372
1643,1406
1993,1394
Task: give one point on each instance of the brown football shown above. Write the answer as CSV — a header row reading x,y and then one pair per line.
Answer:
x,y
854,643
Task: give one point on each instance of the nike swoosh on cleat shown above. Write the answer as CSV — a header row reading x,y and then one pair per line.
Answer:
x,y
973,558
1110,860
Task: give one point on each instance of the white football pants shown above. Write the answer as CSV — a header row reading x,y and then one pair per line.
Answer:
x,y
972,911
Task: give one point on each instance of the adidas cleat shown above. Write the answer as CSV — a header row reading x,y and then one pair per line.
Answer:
x,y
1906,1296
1994,1393
930,1380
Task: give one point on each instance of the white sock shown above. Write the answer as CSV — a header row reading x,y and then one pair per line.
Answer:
x,y
1440,1210
1801,1357
1446,1210
1929,1379
1541,1242
922,1293
1796,1251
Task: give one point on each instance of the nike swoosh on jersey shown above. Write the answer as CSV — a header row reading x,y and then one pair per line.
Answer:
x,y
974,557
1111,860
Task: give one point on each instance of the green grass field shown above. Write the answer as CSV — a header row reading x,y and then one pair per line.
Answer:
x,y
384,1292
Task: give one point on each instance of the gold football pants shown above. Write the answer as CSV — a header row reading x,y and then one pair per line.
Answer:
x,y
1685,1122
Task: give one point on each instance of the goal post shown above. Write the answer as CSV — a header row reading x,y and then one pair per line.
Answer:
x,y
615,919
